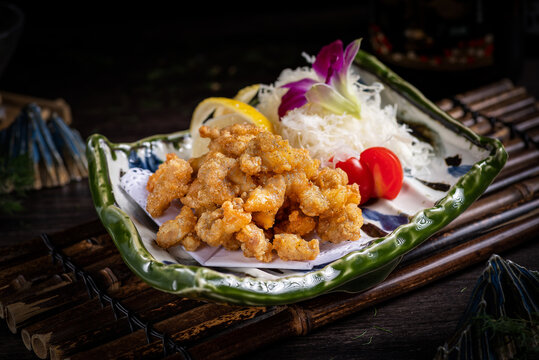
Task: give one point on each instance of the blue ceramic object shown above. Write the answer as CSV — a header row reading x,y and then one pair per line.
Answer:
x,y
501,320
56,153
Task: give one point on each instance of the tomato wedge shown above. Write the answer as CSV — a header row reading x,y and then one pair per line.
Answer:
x,y
359,174
377,171
386,170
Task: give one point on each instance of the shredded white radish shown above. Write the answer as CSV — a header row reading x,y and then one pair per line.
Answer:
x,y
328,135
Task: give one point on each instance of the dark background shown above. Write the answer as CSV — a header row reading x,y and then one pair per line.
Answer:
x,y
143,69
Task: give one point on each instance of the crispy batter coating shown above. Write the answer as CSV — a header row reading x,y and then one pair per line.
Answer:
x,y
169,182
244,182
218,226
231,140
333,184
175,232
340,224
265,200
254,243
297,223
293,247
211,187
300,189
253,191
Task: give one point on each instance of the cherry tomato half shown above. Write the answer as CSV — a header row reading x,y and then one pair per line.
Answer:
x,y
386,171
360,175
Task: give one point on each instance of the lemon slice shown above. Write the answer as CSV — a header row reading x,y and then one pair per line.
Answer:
x,y
231,111
245,95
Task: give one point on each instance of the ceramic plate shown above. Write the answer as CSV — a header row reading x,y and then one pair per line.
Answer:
x,y
464,167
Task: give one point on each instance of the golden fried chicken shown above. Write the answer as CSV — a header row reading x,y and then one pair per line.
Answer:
x,y
169,182
296,223
293,247
254,243
340,224
265,200
333,184
244,183
276,155
211,187
301,190
253,191
218,226
176,231
231,140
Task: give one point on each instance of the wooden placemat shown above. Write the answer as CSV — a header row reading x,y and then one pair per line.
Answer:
x,y
69,294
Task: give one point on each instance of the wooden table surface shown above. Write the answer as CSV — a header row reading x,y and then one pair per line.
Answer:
x,y
129,82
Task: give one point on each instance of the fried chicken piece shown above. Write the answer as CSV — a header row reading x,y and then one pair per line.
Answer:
x,y
328,178
195,163
211,187
301,190
175,232
333,184
293,247
302,161
297,223
231,140
265,201
274,152
244,182
342,195
191,242
265,220
169,182
250,164
340,224
218,226
254,243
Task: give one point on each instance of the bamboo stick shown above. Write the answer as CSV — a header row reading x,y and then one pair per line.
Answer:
x,y
519,161
459,235
498,202
527,124
23,312
514,178
475,95
86,310
508,106
499,99
51,283
517,115
204,329
84,252
486,91
35,248
185,320
486,213
514,145
100,325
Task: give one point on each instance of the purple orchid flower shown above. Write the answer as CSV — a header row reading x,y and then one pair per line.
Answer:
x,y
331,89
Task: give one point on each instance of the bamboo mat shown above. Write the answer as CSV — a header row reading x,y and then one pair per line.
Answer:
x,y
69,294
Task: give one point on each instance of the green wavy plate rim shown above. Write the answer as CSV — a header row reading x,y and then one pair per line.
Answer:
x,y
367,266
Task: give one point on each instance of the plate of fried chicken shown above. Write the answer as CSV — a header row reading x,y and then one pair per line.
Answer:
x,y
258,221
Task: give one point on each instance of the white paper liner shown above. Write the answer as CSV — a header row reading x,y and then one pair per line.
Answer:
x,y
134,183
